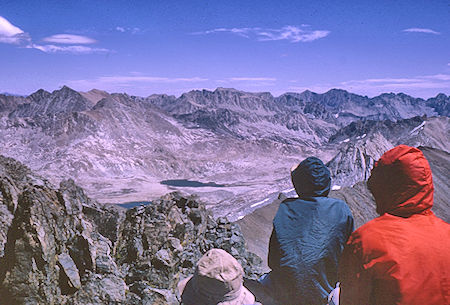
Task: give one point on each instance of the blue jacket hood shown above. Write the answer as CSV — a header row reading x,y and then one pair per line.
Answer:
x,y
311,178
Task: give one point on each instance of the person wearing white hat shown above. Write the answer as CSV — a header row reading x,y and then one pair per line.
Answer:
x,y
217,280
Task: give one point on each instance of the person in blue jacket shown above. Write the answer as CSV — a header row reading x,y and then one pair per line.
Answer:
x,y
308,236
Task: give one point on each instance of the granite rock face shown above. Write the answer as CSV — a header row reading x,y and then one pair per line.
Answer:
x,y
59,247
363,142
355,160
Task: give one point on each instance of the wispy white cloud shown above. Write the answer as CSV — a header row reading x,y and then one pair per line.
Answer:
x,y
247,82
293,34
69,39
383,81
77,50
16,39
289,33
8,29
421,30
139,84
134,30
420,82
244,32
147,79
439,77
11,34
131,80
319,88
425,86
252,79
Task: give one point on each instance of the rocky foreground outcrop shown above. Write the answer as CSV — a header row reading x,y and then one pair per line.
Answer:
x,y
59,247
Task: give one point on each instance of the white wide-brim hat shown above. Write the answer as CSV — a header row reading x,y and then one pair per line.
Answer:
x,y
218,280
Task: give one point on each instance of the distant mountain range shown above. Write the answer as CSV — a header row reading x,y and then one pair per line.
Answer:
x,y
120,147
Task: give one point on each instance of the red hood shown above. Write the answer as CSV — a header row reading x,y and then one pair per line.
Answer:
x,y
401,182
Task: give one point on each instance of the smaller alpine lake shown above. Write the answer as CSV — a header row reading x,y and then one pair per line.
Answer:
x,y
132,204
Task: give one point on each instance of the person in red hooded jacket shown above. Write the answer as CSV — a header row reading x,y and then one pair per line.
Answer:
x,y
403,256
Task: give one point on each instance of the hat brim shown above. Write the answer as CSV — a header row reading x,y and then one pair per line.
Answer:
x,y
190,297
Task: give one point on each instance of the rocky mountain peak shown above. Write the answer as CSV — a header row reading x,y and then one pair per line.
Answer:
x,y
398,96
335,91
403,95
120,100
308,95
441,96
94,95
97,91
162,96
387,95
41,103
440,104
222,89
308,92
65,93
39,95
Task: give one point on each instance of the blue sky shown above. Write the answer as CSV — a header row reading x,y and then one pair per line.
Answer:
x,y
147,47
